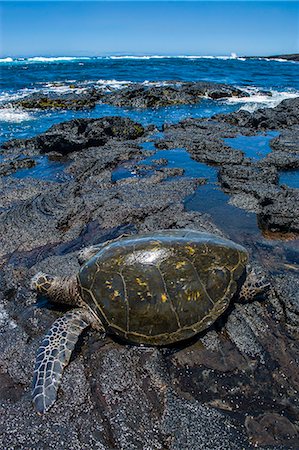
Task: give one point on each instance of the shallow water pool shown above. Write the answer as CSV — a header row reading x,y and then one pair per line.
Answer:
x,y
254,147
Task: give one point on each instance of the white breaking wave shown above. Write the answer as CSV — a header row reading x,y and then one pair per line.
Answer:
x,y
111,84
160,83
6,97
146,57
14,115
48,59
56,59
61,88
258,99
277,60
43,59
6,60
115,84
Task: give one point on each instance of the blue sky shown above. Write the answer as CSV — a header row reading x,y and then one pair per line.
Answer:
x,y
175,27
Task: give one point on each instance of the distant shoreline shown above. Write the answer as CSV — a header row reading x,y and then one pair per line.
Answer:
x,y
288,57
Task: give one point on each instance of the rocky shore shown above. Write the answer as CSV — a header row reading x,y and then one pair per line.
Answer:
x,y
235,386
288,57
136,96
255,182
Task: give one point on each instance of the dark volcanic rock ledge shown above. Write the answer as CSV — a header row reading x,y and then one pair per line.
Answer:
x,y
284,115
138,95
79,134
74,101
233,387
178,94
287,57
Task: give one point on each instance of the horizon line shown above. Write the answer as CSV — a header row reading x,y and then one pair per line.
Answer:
x,y
143,55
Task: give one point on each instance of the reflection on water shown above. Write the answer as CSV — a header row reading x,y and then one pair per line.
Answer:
x,y
254,147
179,157
289,178
174,158
46,169
238,224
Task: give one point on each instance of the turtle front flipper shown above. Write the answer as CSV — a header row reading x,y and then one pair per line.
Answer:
x,y
54,354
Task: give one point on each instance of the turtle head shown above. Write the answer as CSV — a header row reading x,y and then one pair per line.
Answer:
x,y
42,283
58,290
253,286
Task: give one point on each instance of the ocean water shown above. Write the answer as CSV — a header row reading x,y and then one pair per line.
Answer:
x,y
24,76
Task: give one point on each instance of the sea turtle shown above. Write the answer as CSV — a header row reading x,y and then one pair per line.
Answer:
x,y
154,289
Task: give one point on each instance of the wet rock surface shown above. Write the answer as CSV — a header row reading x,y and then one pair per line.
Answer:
x,y
136,96
177,94
10,167
79,134
285,149
288,57
76,101
234,386
285,115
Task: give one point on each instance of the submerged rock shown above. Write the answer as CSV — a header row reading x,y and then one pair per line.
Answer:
x,y
10,167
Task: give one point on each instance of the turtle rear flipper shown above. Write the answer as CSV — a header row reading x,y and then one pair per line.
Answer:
x,y
253,286
54,354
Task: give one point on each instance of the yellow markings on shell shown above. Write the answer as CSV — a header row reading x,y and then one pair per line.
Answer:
x,y
115,294
180,264
164,297
158,243
156,248
108,284
193,295
140,282
190,249
119,260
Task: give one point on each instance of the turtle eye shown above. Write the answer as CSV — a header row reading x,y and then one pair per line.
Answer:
x,y
43,288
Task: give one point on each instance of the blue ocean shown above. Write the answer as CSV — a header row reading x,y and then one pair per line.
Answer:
x,y
21,77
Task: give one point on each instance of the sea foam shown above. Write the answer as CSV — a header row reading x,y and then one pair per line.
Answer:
x,y
6,60
258,99
57,59
14,115
43,59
